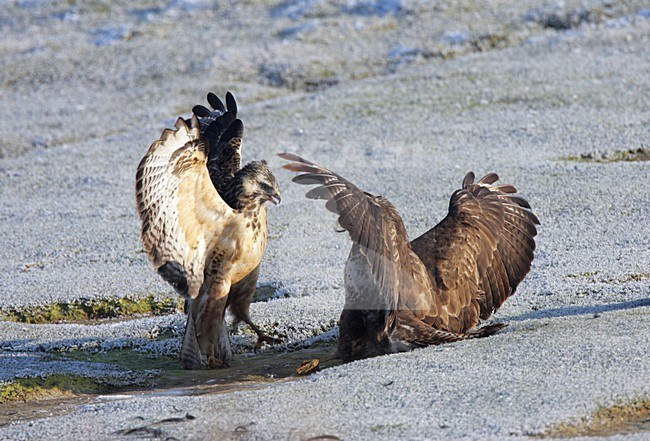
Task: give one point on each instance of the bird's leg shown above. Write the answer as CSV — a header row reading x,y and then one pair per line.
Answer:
x,y
240,298
213,362
210,326
261,335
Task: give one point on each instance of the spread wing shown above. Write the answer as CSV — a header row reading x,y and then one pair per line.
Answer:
x,y
224,133
479,253
181,212
372,222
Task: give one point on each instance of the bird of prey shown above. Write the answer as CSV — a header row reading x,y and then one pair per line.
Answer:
x,y
400,295
204,224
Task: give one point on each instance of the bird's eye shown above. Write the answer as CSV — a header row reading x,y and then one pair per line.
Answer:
x,y
266,187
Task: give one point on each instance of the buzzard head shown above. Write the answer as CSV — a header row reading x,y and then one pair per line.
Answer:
x,y
258,184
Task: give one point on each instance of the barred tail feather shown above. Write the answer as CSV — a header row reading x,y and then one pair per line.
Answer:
x,y
191,357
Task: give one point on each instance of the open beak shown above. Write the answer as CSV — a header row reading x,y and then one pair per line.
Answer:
x,y
275,198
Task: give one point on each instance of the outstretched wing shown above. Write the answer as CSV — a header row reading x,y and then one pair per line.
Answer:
x,y
372,222
180,210
224,133
479,253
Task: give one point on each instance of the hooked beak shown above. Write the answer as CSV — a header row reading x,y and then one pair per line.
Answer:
x,y
276,199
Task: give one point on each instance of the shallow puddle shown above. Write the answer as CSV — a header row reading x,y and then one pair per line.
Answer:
x,y
246,372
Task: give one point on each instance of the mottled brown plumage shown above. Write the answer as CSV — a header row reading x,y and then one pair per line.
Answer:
x,y
435,289
204,224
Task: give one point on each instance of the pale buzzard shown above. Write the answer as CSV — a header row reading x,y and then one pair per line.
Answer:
x,y
434,289
204,224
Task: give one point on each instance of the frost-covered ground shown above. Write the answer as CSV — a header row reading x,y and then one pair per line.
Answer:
x,y
402,97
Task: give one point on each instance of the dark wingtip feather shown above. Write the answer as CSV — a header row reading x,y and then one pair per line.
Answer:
x,y
234,130
224,120
506,188
287,156
231,103
299,167
311,179
292,157
468,179
519,201
318,192
490,178
215,102
333,207
287,167
201,111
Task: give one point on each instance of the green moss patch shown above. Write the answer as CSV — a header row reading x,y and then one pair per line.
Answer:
x,y
621,418
595,277
52,386
631,155
93,309
126,358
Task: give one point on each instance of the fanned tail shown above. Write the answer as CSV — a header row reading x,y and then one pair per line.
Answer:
x,y
412,330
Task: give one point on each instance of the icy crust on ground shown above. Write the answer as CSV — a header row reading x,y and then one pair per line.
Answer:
x,y
401,97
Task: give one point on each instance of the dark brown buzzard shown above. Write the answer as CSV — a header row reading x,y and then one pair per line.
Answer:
x,y
434,289
204,224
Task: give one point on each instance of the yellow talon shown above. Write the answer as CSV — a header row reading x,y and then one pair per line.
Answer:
x,y
214,362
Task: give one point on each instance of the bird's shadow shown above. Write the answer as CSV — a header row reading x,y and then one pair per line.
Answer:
x,y
567,311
